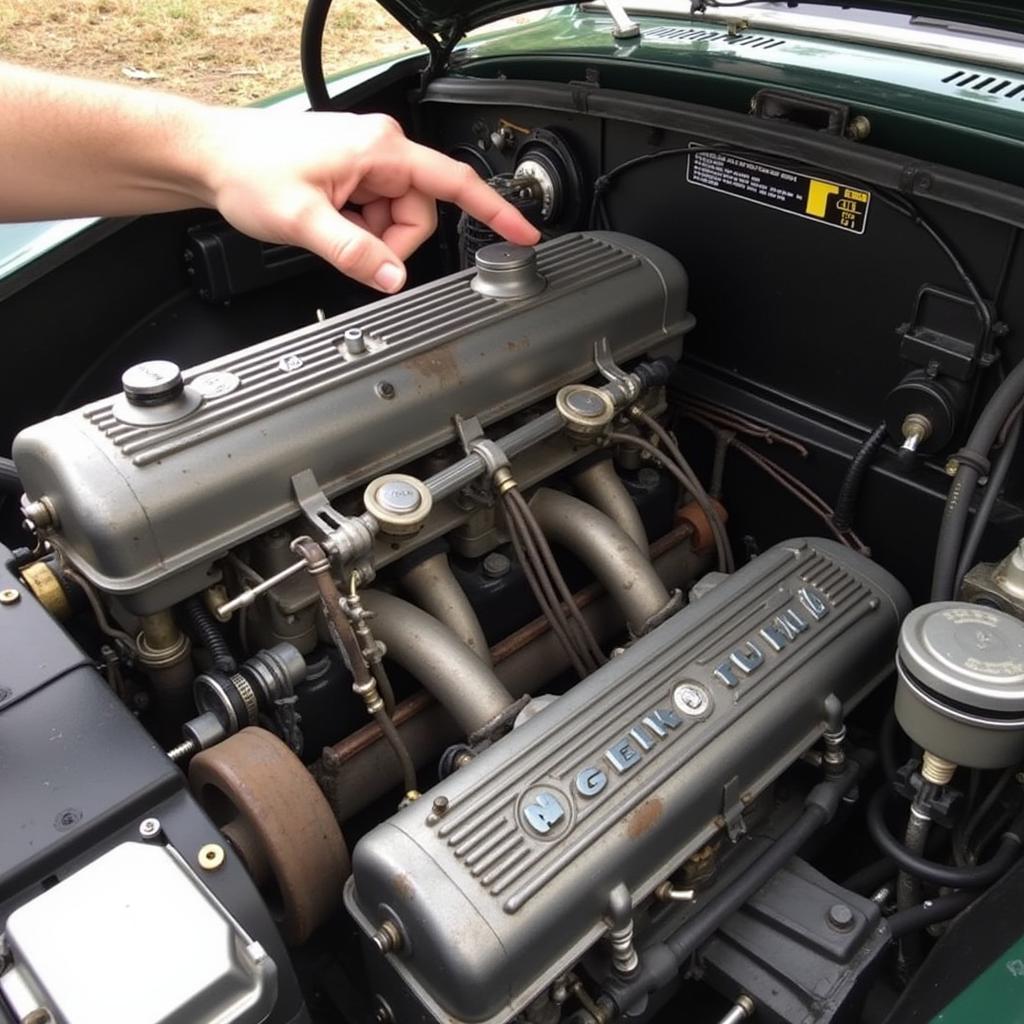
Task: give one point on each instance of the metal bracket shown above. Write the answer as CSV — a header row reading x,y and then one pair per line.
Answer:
x,y
732,810
347,537
625,386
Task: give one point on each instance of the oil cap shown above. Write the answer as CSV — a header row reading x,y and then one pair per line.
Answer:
x,y
506,271
152,382
154,394
960,692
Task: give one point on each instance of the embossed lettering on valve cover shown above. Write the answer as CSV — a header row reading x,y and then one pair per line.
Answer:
x,y
780,631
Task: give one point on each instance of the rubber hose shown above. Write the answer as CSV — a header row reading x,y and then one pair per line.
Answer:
x,y
976,877
10,482
868,879
661,961
208,634
942,908
988,501
958,501
311,54
849,492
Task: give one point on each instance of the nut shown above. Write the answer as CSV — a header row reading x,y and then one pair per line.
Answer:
x,y
149,828
211,856
9,596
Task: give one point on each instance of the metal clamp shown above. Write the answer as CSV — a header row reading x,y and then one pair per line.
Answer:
x,y
347,537
625,387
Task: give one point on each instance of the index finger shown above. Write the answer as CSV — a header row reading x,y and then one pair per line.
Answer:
x,y
444,178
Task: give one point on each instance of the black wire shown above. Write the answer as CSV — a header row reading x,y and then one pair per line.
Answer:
x,y
849,492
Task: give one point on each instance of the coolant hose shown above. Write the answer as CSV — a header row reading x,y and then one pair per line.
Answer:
x,y
975,877
972,463
10,482
207,633
661,961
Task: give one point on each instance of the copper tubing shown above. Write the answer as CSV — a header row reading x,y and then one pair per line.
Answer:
x,y
433,587
601,486
361,768
606,549
436,656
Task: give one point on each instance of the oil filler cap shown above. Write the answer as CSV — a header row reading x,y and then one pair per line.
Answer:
x,y
154,394
505,271
961,683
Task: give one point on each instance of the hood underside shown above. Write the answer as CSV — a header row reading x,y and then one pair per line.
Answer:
x,y
449,20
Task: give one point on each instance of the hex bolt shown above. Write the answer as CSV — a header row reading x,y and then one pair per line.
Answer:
x,y
37,1016
496,565
9,595
440,805
149,828
840,916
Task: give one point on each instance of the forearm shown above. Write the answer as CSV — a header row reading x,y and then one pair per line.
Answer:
x,y
77,148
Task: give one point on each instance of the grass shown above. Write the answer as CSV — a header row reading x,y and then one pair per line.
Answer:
x,y
224,51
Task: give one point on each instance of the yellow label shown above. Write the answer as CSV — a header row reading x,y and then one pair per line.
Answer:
x,y
817,196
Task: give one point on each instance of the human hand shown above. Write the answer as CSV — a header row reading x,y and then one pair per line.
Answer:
x,y
351,188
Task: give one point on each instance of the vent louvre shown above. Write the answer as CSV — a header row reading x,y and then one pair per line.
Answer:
x,y
990,85
673,34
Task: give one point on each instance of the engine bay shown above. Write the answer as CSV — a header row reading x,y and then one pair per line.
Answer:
x,y
581,635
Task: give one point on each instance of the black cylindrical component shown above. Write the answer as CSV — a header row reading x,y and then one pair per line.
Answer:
x,y
942,908
206,632
655,373
976,877
938,400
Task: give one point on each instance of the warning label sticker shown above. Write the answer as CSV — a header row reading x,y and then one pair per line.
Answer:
x,y
816,199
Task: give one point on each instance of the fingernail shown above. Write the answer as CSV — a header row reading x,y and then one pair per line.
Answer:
x,y
389,278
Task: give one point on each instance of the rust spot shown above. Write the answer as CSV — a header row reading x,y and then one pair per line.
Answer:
x,y
439,365
645,817
518,344
404,885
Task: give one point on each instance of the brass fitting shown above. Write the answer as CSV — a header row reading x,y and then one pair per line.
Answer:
x,y
45,584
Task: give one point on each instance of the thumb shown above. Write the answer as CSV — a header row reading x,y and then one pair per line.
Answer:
x,y
350,248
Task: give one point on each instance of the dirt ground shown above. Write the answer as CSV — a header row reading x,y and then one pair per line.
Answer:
x,y
226,51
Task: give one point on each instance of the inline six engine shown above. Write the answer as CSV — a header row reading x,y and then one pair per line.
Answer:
x,y
400,490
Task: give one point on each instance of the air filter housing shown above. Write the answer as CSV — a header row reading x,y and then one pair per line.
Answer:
x,y
961,683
